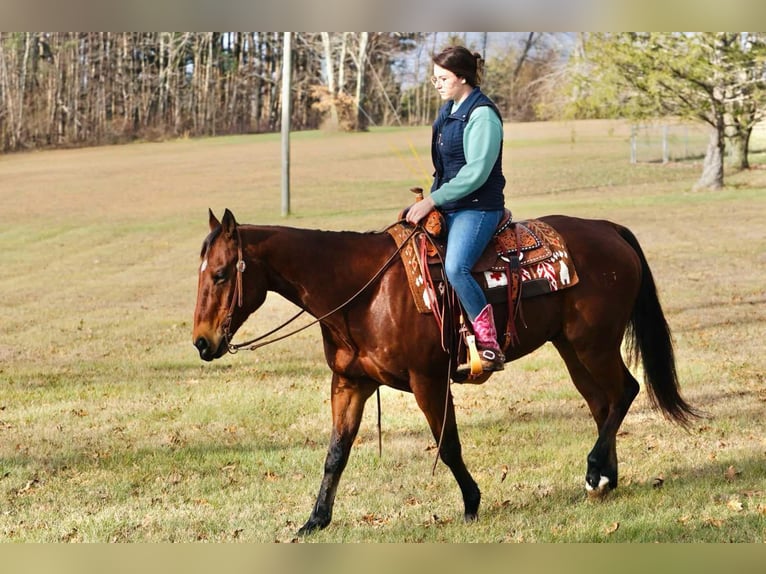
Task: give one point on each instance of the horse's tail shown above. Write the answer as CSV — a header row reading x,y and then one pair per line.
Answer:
x,y
648,335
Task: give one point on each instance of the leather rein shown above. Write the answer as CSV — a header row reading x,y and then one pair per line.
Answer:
x,y
258,342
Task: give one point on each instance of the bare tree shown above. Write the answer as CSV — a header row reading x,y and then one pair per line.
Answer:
x,y
78,88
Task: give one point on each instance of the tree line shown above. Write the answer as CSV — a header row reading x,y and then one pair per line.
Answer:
x,y
68,88
63,89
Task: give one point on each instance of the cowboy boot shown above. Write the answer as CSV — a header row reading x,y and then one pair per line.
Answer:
x,y
492,357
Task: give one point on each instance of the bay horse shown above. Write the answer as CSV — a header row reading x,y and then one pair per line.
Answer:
x,y
378,337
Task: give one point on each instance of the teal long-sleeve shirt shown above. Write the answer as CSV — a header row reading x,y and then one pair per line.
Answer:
x,y
482,137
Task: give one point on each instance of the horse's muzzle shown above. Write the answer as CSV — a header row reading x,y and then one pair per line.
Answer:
x,y
208,352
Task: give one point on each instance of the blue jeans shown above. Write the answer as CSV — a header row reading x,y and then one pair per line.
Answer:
x,y
468,233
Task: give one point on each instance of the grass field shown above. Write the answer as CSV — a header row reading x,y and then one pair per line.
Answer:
x,y
112,429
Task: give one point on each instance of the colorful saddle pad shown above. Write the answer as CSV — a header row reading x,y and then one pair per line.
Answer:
x,y
535,247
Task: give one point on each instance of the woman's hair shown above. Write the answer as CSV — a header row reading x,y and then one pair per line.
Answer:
x,y
461,62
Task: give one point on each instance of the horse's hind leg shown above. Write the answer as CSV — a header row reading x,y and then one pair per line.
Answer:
x,y
609,389
437,405
348,399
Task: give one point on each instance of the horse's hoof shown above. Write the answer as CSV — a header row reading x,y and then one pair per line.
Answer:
x,y
471,517
307,529
600,490
311,526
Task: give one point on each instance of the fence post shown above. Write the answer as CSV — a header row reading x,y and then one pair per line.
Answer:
x,y
633,144
665,149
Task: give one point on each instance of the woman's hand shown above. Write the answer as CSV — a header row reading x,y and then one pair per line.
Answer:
x,y
419,210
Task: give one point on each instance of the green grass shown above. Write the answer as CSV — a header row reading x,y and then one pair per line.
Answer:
x,y
111,429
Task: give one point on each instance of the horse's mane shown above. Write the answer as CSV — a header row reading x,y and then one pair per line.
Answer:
x,y
213,235
209,240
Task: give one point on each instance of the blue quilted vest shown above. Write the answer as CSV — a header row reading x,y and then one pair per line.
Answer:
x,y
448,155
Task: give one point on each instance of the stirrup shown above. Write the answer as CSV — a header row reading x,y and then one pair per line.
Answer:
x,y
490,361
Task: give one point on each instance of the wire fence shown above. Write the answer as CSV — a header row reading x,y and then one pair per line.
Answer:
x,y
663,143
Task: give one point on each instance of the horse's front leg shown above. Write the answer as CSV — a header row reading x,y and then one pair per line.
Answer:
x,y
435,400
348,399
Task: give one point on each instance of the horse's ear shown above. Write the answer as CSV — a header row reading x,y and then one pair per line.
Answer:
x,y
214,223
229,224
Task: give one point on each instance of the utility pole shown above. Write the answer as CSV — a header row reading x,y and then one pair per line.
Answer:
x,y
286,81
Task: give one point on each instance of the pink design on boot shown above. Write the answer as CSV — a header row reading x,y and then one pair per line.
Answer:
x,y
492,358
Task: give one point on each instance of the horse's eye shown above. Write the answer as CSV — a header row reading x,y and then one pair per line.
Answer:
x,y
219,277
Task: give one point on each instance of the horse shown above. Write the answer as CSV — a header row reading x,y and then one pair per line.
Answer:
x,y
354,284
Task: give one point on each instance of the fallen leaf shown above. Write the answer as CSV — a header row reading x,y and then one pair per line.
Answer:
x,y
612,528
436,519
735,505
270,476
374,520
412,501
716,522
658,482
731,473
752,493
504,472
27,487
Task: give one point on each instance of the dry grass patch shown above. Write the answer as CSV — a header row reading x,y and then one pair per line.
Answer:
x,y
112,430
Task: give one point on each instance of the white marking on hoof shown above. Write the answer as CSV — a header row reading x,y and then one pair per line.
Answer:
x,y
602,483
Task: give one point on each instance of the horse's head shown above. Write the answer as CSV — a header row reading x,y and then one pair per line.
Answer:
x,y
222,303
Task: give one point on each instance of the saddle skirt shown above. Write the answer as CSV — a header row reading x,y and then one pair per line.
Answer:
x,y
524,259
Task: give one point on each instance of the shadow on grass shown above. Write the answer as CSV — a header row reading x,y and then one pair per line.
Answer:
x,y
705,503
146,470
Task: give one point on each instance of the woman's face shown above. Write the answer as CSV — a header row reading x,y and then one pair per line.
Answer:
x,y
449,86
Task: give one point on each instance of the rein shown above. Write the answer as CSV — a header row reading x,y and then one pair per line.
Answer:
x,y
258,342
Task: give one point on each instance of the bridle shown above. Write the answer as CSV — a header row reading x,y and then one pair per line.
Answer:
x,y
258,342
